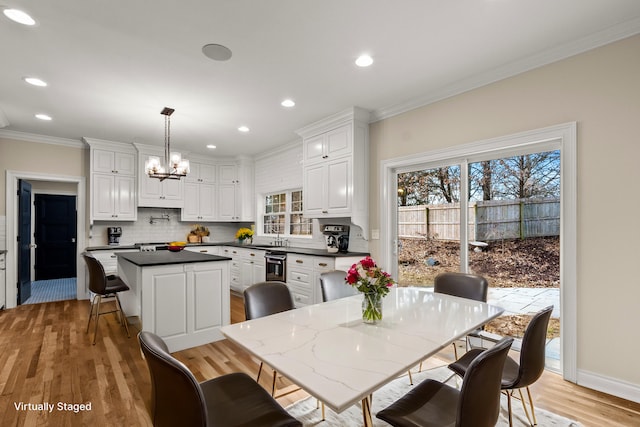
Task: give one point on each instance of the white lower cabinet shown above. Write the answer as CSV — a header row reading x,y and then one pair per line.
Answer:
x,y
185,304
247,267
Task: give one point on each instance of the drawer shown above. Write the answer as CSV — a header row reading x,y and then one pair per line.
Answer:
x,y
295,260
299,276
323,264
300,299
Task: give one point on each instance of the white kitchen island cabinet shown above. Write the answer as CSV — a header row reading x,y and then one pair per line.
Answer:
x,y
183,297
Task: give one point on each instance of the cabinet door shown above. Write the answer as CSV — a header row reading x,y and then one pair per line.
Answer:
x,y
228,174
207,299
173,189
102,194
338,142
125,198
207,173
314,149
339,186
125,163
190,209
150,189
102,161
207,201
227,202
314,193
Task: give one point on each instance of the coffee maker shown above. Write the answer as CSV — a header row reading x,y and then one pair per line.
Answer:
x,y
114,234
337,237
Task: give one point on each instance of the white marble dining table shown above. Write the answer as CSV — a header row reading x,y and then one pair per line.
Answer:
x,y
328,351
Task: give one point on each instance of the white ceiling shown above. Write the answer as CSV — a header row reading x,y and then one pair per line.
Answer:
x,y
113,65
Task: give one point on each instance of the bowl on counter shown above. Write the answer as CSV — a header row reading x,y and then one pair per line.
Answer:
x,y
176,246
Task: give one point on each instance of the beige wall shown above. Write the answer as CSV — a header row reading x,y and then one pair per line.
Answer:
x,y
38,157
600,90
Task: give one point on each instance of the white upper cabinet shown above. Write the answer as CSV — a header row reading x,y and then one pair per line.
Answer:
x,y
151,191
112,181
328,145
200,193
336,167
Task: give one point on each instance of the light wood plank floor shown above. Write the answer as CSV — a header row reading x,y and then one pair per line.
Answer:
x,y
45,356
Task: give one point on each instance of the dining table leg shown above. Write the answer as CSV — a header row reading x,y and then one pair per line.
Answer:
x,y
366,412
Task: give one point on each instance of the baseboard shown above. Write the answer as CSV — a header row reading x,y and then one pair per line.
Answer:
x,y
613,386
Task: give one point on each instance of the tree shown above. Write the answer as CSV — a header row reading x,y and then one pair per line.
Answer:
x,y
532,175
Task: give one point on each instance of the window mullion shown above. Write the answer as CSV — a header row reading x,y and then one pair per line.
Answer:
x,y
464,216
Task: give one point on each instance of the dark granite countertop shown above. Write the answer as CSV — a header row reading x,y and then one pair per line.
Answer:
x,y
292,250
147,259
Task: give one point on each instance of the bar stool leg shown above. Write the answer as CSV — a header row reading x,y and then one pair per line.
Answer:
x,y
123,318
95,330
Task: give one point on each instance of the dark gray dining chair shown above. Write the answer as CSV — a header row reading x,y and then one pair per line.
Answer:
x,y
476,404
463,285
516,376
264,299
103,286
178,399
334,286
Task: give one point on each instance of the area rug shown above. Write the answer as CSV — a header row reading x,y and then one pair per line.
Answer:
x,y
306,411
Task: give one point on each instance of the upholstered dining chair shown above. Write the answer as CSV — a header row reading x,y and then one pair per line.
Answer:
x,y
178,399
263,299
334,286
103,286
463,285
516,376
476,404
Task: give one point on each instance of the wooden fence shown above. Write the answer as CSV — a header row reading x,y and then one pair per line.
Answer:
x,y
488,220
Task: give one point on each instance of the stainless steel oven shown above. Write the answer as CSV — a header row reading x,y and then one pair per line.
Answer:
x,y
276,266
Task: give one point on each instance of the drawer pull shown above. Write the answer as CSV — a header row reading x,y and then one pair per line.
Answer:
x,y
299,261
322,264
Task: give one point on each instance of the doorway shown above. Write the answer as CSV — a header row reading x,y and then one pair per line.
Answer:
x,y
77,183
561,138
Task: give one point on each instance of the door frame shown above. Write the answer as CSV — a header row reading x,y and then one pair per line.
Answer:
x,y
562,137
12,231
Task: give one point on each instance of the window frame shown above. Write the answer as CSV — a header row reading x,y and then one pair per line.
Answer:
x,y
288,214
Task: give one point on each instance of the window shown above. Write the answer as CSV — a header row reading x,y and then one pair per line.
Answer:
x,y
283,215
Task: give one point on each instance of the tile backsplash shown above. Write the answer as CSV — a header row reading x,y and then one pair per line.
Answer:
x,y
156,226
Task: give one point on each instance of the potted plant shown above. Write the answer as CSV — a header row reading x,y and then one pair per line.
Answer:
x,y
244,235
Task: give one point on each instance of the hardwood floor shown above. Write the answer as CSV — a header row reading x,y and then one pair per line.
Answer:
x,y
46,357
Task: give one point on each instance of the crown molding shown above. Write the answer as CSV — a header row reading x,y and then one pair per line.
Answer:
x,y
43,139
558,53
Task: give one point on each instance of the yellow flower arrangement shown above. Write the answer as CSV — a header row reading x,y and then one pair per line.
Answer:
x,y
244,233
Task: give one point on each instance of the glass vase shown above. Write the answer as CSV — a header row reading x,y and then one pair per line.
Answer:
x,y
371,308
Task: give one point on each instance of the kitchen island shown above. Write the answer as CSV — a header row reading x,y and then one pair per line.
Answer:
x,y
181,296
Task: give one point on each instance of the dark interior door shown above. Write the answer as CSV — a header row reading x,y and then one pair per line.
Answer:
x,y
24,241
55,236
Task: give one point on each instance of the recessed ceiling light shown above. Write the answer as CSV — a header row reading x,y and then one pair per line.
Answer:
x,y
288,103
211,147
45,117
217,52
364,61
19,16
35,81
243,129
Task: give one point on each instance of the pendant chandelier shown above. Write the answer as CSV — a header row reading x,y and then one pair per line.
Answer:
x,y
174,166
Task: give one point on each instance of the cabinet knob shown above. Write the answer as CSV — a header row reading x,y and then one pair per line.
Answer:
x,y
325,211
325,157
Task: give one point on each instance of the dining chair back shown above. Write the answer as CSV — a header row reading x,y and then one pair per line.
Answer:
x,y
464,285
178,399
434,403
266,298
516,376
334,285
263,299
